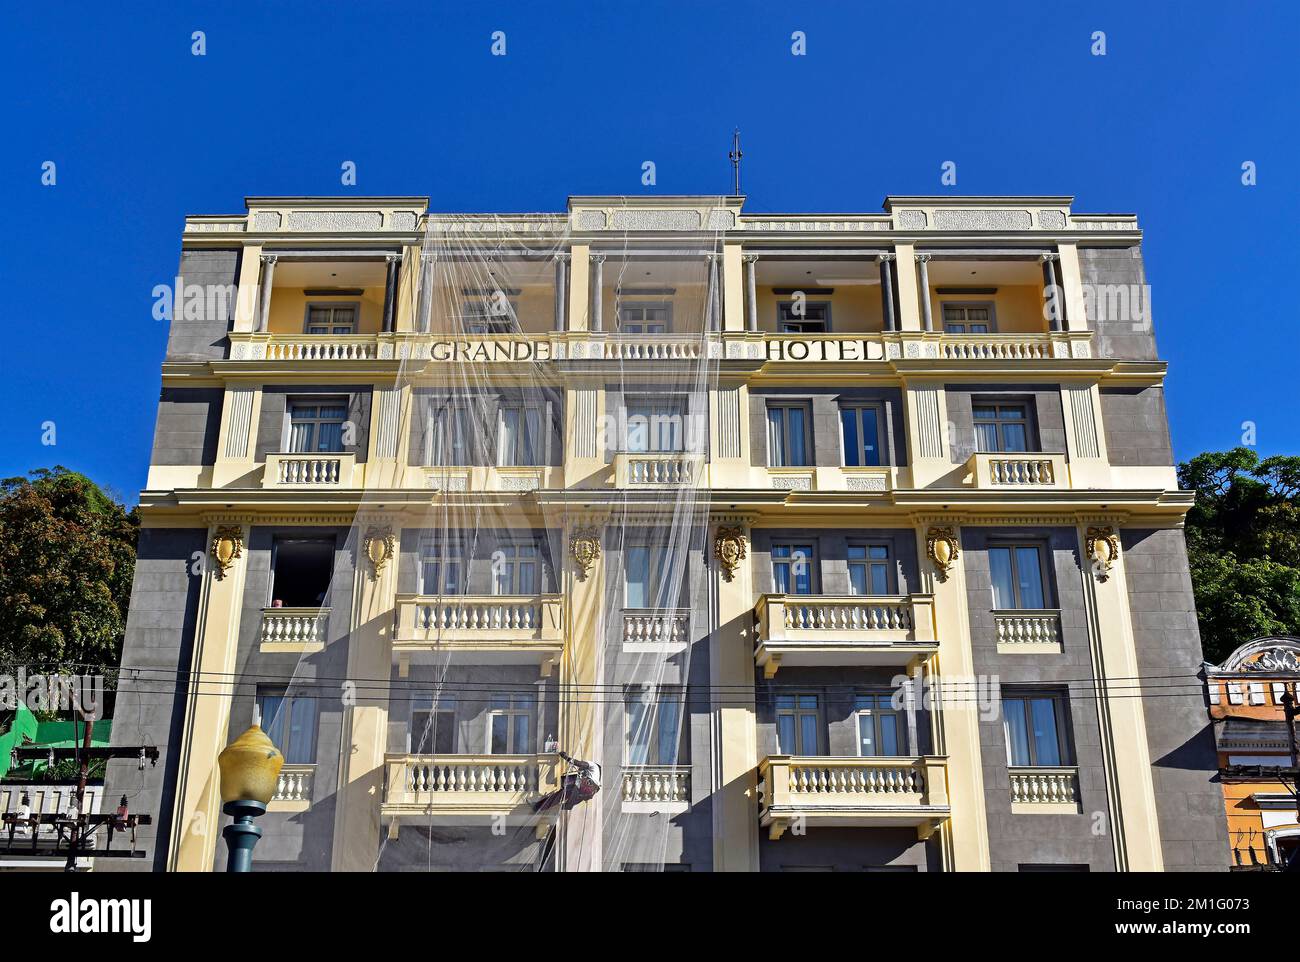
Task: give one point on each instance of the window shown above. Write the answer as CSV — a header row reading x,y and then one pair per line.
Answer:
x,y
655,425
787,435
860,430
447,437
646,318
796,724
1017,574
880,726
870,570
510,720
317,425
813,317
653,728
492,313
968,318
1002,427
792,568
519,435
289,720
653,577
331,319
515,569
433,727
301,569
442,568
1037,729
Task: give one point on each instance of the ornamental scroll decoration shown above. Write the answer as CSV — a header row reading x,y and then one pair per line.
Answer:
x,y
942,548
584,547
729,547
227,547
379,546
1102,548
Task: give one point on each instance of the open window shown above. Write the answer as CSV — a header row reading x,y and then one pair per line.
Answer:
x,y
301,569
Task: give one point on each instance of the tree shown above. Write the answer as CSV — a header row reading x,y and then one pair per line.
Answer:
x,y
1243,543
67,557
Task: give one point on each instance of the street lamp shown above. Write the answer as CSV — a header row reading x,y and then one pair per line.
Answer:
x,y
250,767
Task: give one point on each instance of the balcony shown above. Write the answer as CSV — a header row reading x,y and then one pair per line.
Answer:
x,y
465,785
481,629
1021,470
293,629
1044,791
1027,631
293,789
658,470
878,792
656,788
654,629
843,630
309,471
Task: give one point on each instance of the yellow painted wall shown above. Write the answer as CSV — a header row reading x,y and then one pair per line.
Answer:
x,y
289,309
855,308
1018,309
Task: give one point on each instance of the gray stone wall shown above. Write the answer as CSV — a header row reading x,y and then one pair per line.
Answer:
x,y
1189,799
203,338
848,850
1137,430
1047,418
272,422
1120,314
150,708
827,444
1016,839
189,420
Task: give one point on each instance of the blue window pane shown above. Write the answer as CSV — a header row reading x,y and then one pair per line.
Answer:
x,y
1029,578
776,438
986,437
798,451
1047,750
638,576
866,735
1017,735
888,735
852,444
870,433
499,734
638,738
785,735
1004,594
521,733
1014,438
879,579
858,579
808,734
667,733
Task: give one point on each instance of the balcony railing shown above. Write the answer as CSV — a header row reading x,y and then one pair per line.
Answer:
x,y
465,784
656,788
309,470
512,629
1029,470
294,785
1046,790
653,628
1028,630
835,630
294,629
864,792
657,469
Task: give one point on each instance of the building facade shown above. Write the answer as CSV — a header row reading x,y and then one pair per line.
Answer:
x,y
840,541
1257,749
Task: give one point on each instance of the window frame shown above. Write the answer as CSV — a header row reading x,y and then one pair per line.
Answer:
x,y
657,562
270,721
353,306
1061,721
426,557
867,562
648,402
518,705
788,324
991,323
515,563
522,440
796,711
457,411
1046,587
443,704
654,729
883,707
623,322
296,401
857,407
483,324
809,443
814,572
1033,444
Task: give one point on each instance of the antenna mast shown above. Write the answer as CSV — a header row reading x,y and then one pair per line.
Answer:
x,y
735,156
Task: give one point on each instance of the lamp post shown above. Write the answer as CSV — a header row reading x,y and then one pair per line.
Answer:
x,y
250,767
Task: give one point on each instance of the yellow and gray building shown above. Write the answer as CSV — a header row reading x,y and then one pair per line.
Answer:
x,y
840,541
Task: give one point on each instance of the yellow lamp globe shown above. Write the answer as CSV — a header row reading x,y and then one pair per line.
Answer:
x,y
250,767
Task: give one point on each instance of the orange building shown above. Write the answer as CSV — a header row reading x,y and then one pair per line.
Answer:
x,y
1256,761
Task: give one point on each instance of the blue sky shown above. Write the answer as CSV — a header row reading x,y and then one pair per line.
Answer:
x,y
143,132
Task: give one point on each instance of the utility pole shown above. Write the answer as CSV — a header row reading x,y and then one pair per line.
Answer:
x,y
1291,710
82,777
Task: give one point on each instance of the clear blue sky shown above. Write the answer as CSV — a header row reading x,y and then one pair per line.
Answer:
x,y
143,132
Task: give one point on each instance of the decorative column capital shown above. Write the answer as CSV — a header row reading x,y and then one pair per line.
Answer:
x,y
392,258
1046,258
749,258
563,256
888,257
270,258
923,258
597,257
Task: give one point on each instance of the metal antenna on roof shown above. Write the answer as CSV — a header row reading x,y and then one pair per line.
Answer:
x,y
735,156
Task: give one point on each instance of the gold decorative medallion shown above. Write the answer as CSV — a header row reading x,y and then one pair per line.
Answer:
x,y
227,546
380,546
941,547
730,550
1102,548
584,546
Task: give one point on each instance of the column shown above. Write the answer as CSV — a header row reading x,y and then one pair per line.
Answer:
x,y
561,289
597,291
427,260
923,276
268,276
711,310
390,291
887,290
751,292
1054,303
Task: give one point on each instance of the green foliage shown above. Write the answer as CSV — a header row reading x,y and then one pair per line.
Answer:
x,y
1243,539
67,557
